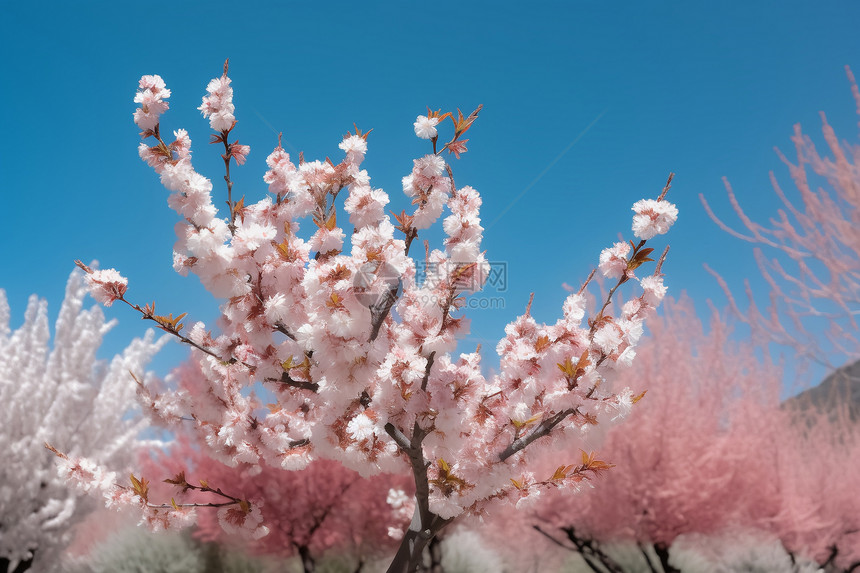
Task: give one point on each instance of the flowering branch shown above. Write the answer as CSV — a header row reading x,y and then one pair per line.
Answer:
x,y
109,286
359,348
218,107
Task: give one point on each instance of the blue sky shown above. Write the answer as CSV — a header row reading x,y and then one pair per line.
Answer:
x,y
587,107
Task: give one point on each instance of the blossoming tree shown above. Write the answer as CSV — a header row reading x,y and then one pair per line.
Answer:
x,y
60,393
355,348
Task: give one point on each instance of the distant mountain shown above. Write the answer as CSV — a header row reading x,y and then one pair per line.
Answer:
x,y
841,389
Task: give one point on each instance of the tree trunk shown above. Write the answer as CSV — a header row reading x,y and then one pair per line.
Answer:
x,y
663,553
591,551
409,554
307,559
434,548
411,551
212,557
22,565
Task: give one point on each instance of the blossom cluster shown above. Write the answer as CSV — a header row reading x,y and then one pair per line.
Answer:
x,y
371,381
150,96
653,217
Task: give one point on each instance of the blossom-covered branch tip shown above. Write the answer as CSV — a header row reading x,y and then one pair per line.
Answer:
x,y
653,217
106,286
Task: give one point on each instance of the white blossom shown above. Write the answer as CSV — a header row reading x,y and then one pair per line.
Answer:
x,y
65,396
425,127
653,217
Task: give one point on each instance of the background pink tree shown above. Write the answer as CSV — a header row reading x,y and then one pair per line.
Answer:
x,y
809,253
322,508
712,450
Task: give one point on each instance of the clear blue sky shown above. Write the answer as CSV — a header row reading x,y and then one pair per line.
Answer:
x,y
702,89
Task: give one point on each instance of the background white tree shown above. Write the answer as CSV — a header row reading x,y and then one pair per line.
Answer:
x,y
62,394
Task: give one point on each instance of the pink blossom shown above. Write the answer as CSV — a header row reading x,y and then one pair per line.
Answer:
x,y
181,145
326,240
398,499
366,206
150,96
218,105
360,428
277,308
425,127
711,448
632,307
86,475
239,152
654,290
574,308
626,358
119,498
809,251
464,231
153,156
429,210
395,533
623,403
429,166
106,286
632,330
314,507
613,260
653,217
281,171
249,238
355,147
167,519
608,338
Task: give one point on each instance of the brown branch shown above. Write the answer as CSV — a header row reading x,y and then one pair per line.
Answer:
x,y
413,450
658,270
379,311
551,538
147,315
427,371
399,437
283,330
543,429
171,506
666,187
410,236
227,155
300,384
